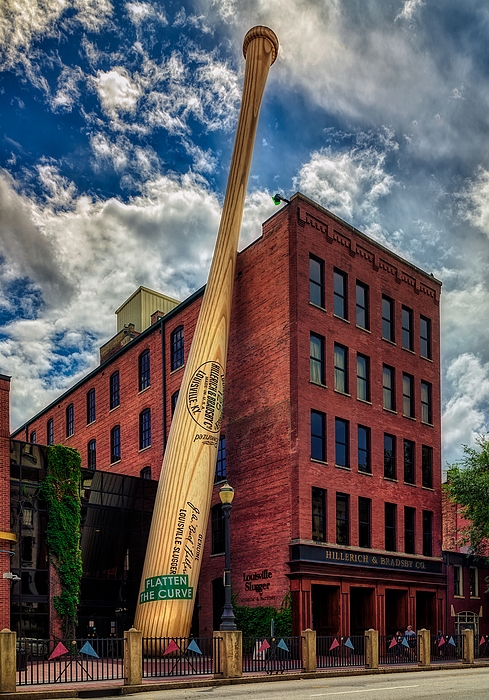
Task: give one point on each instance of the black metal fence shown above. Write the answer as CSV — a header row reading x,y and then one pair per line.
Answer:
x,y
181,656
446,647
340,651
398,649
69,661
272,654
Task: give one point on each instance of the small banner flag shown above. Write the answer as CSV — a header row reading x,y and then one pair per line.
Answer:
x,y
282,645
405,642
349,644
264,646
452,642
58,650
173,646
193,646
441,641
335,643
393,643
482,640
89,650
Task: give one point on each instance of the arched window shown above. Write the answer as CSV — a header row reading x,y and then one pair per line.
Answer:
x,y
114,390
70,420
50,431
144,429
177,348
144,370
115,444
90,406
92,455
34,437
145,473
221,460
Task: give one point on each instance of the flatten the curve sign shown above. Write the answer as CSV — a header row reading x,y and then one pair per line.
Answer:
x,y
166,588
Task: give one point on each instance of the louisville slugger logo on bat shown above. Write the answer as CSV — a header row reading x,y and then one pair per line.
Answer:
x,y
181,511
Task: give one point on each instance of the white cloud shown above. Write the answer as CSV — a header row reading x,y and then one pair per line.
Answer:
x,y
142,11
117,91
409,9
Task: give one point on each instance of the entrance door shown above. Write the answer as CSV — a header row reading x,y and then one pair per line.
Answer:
x,y
425,611
361,610
326,610
395,611
217,602
467,620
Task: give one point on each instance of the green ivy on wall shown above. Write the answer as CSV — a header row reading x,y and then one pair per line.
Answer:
x,y
61,491
255,622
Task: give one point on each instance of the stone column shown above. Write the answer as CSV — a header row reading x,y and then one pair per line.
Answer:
x,y
424,653
468,646
309,663
133,657
231,653
372,648
7,661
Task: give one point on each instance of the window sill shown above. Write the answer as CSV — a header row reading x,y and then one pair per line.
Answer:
x,y
459,597
428,488
343,393
143,449
345,320
321,308
177,369
346,469
143,390
409,417
386,340
428,359
360,471
408,350
218,554
115,408
474,597
323,386
428,425
389,410
116,462
92,422
369,403
70,436
361,328
388,478
408,483
318,461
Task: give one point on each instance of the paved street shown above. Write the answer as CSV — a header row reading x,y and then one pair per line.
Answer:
x,y
459,684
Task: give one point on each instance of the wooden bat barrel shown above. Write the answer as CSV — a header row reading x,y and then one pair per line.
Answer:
x,y
178,527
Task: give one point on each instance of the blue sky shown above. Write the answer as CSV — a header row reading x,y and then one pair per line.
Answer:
x,y
116,130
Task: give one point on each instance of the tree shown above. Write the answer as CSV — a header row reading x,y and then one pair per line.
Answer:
x,y
468,486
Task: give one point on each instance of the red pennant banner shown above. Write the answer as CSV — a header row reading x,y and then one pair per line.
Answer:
x,y
335,643
58,650
442,641
393,643
482,640
264,646
173,646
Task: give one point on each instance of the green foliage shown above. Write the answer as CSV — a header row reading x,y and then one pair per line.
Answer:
x,y
61,491
468,486
255,622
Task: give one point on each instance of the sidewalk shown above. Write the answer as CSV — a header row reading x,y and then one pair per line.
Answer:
x,y
114,688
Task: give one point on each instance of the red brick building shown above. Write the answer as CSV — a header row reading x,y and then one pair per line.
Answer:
x,y
331,432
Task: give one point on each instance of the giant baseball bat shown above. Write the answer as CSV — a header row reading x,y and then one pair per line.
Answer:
x,y
176,539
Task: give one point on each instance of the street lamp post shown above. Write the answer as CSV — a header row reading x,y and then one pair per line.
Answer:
x,y
226,494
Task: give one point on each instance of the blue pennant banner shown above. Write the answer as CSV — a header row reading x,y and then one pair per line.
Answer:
x,y
89,650
193,646
349,644
282,645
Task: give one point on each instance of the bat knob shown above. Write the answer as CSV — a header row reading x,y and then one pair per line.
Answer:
x,y
261,32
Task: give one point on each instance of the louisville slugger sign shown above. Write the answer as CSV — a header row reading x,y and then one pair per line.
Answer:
x,y
181,510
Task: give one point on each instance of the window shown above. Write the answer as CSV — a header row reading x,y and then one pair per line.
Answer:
x,y
426,403
177,348
221,460
341,441
363,384
409,531
90,406
342,519
427,467
318,515
409,476
145,473
340,369
387,319
407,396
389,456
34,437
364,450
316,281
340,296
114,390
390,527
407,328
217,525
144,428
388,384
474,582
425,337
316,362
362,306
318,436
364,521
144,370
427,533
174,399
92,455
458,589
50,431
70,420
115,444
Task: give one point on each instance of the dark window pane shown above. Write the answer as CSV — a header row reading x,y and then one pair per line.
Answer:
x,y
114,390
427,466
390,527
407,328
407,396
388,388
362,305
364,449
340,369
115,444
363,389
389,457
426,402
340,294
342,519
364,518
318,436
50,431
318,515
427,533
217,525
341,427
316,362
70,420
144,370
221,460
425,337
409,462
387,319
92,455
90,406
316,282
177,348
145,429
409,524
